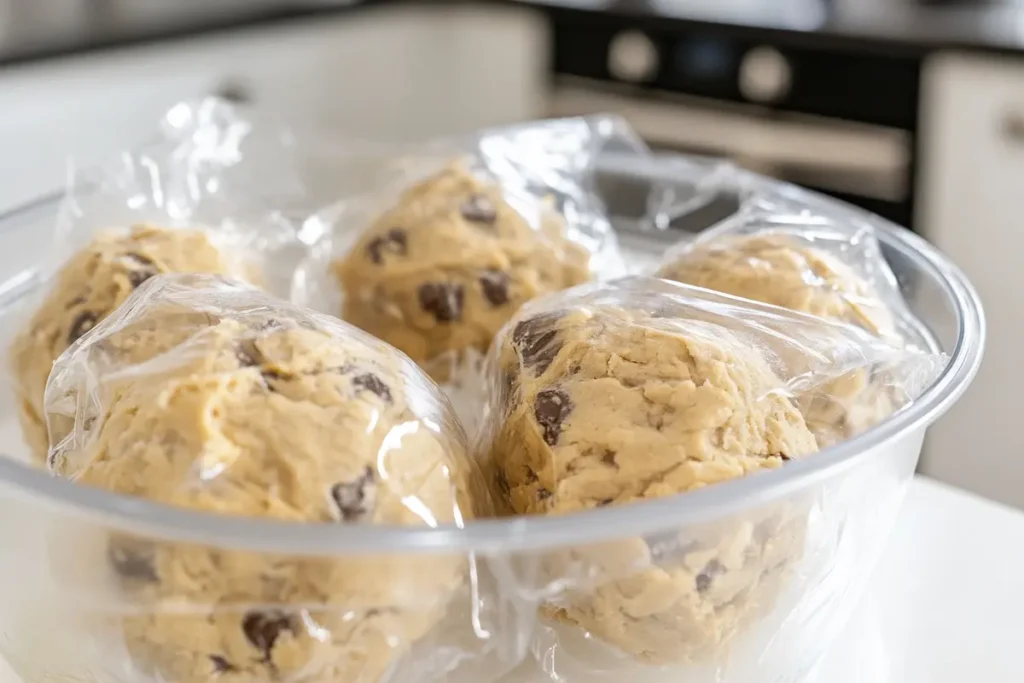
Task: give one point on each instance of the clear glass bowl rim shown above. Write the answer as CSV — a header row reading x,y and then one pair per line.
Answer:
x,y
509,535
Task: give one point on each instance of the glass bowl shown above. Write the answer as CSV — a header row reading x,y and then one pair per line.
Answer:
x,y
802,541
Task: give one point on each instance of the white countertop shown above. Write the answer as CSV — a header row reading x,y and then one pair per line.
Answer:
x,y
946,602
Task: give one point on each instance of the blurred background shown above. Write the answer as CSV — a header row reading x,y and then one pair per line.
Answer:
x,y
913,109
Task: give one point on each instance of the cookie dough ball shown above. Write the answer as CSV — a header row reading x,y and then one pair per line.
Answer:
x,y
226,401
777,269
444,269
606,406
93,283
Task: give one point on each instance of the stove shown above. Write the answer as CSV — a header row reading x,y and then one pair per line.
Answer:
x,y
822,93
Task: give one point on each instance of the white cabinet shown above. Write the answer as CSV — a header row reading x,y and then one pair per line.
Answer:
x,y
388,73
972,207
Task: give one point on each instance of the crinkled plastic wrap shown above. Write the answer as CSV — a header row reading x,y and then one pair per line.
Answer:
x,y
785,254
195,199
206,394
214,166
439,259
639,389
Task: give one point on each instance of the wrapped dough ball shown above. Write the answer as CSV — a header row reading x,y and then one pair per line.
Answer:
x,y
439,274
91,285
211,396
604,405
779,269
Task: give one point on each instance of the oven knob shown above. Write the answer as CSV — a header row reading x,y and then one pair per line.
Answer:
x,y
632,57
765,75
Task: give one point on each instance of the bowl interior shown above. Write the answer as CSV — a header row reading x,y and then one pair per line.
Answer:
x,y
923,276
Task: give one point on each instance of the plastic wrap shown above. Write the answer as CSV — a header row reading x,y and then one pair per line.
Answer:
x,y
610,394
204,393
745,580
791,256
438,260
185,202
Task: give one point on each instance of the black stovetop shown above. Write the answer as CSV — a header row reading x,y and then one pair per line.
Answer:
x,y
916,24
45,28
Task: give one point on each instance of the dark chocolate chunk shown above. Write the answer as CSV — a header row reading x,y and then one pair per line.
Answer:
x,y
608,458
85,321
495,286
355,499
140,268
247,354
536,340
443,300
543,493
271,375
394,241
137,260
501,481
713,569
551,407
374,384
220,664
262,629
137,277
479,209
271,325
134,561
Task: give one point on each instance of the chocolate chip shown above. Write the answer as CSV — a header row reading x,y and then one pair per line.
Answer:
x,y
85,321
262,629
137,277
479,209
269,325
495,286
247,354
220,665
608,458
443,300
394,241
605,502
138,260
543,493
713,569
141,268
535,338
501,480
271,375
135,561
551,407
372,383
355,499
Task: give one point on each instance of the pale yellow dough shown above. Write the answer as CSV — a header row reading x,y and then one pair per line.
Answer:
x,y
777,269
608,407
91,285
440,272
257,412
